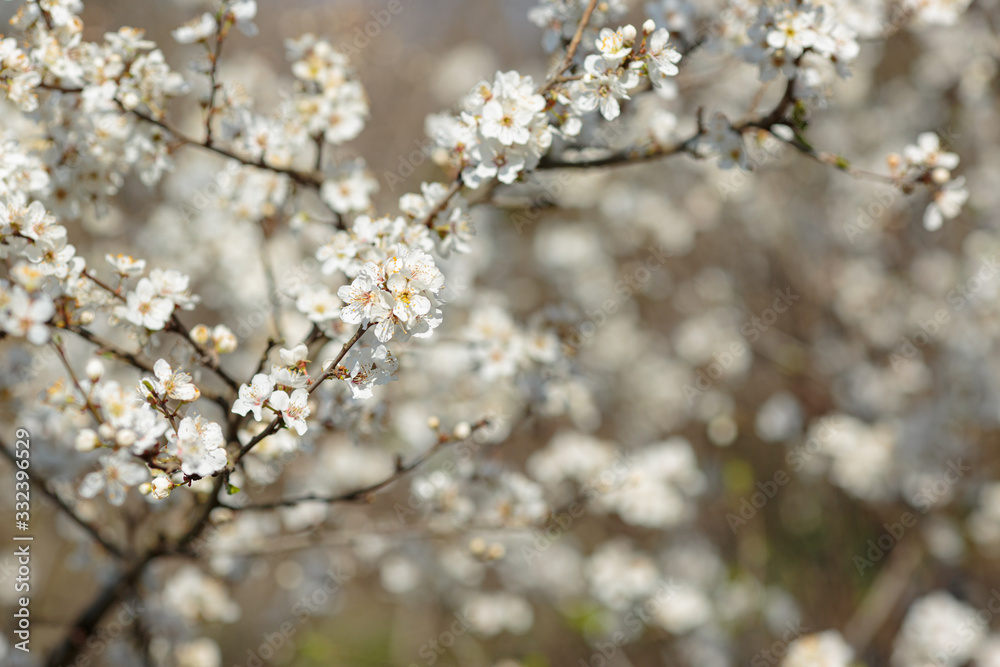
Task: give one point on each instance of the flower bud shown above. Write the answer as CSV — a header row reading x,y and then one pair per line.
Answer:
x,y
125,437
462,430
649,27
94,370
161,487
200,334
628,32
940,176
86,440
224,339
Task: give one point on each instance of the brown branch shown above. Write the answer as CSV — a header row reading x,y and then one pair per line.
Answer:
x,y
106,346
88,620
112,593
428,220
777,116
364,493
302,178
571,49
214,56
69,511
76,382
328,373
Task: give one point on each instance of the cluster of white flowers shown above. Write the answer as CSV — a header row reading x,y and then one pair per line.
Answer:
x,y
653,487
233,12
938,630
621,64
450,227
151,304
332,103
501,132
398,296
18,77
350,189
560,18
501,347
659,488
194,596
88,116
43,266
367,367
86,123
782,35
370,240
131,427
283,391
929,162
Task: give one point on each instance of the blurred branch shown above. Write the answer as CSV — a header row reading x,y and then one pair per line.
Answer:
x,y
884,595
106,346
88,620
364,493
328,373
574,44
46,488
777,116
221,30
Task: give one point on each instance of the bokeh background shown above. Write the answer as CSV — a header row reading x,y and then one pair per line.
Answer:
x,y
913,434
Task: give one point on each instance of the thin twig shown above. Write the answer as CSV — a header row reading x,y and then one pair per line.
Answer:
x,y
328,373
364,493
571,49
46,488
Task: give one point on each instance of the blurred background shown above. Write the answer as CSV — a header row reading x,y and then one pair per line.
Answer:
x,y
772,320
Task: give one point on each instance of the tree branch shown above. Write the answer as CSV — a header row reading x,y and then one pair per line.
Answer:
x,y
69,511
